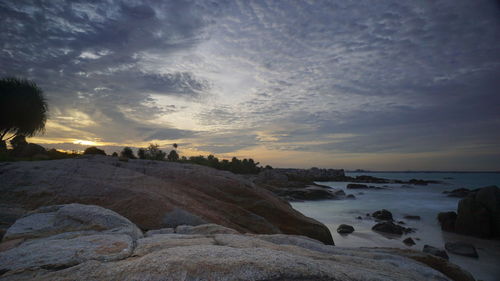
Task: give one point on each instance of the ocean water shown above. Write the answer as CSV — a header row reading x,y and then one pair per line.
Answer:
x,y
424,201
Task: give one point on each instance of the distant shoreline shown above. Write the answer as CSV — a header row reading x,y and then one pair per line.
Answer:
x,y
428,172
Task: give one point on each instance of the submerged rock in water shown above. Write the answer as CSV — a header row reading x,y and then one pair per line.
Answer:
x,y
382,215
205,252
391,228
461,248
412,217
459,192
409,242
436,252
345,229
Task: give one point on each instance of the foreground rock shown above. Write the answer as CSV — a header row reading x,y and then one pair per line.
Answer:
x,y
478,214
461,248
153,194
204,252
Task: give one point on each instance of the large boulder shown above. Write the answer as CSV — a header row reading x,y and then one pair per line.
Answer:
x,y
154,194
479,213
447,220
206,255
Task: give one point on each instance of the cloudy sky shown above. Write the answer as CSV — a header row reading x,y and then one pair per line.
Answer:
x,y
382,85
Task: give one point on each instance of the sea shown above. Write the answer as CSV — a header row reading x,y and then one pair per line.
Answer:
x,y
404,199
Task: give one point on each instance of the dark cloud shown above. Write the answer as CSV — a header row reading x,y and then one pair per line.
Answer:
x,y
387,77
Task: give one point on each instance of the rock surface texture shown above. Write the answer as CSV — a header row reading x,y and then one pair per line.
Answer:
x,y
152,194
478,214
60,247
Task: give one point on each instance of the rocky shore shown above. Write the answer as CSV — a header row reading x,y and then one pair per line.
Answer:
x,y
87,242
152,194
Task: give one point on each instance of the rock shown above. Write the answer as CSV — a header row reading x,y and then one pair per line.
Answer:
x,y
461,248
459,192
447,220
52,220
409,242
451,270
422,182
382,215
82,255
159,231
412,217
359,218
479,213
345,229
350,196
357,186
62,236
145,192
391,228
361,193
309,193
179,216
436,252
401,222
206,229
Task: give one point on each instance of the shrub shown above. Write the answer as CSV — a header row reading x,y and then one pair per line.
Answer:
x,y
128,153
94,150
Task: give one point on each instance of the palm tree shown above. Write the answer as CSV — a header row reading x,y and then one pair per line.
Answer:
x,y
23,109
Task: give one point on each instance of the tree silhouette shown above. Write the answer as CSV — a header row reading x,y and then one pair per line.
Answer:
x,y
127,152
94,150
173,156
23,109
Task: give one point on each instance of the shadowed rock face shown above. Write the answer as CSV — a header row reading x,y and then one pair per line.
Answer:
x,y
203,252
149,192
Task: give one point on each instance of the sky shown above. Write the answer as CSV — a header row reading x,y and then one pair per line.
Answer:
x,y
379,85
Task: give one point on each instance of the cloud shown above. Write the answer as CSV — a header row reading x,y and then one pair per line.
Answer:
x,y
389,77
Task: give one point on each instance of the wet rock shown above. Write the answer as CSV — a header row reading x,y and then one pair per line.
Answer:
x,y
412,217
459,192
350,196
447,220
479,213
362,186
390,228
345,229
382,215
409,242
461,248
359,218
436,252
401,222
